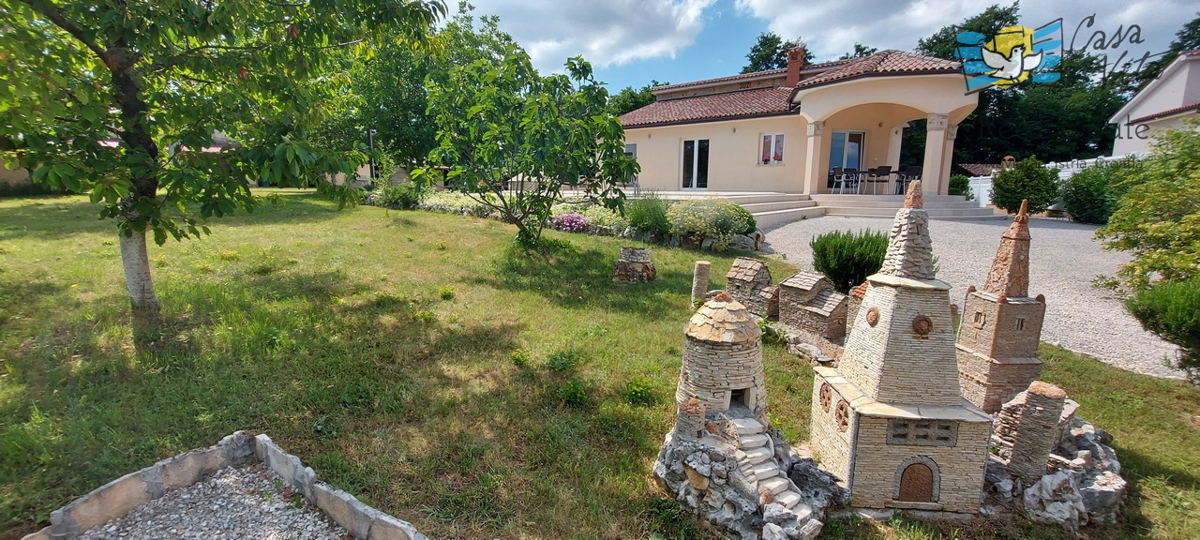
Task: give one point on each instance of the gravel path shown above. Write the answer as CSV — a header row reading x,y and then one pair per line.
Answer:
x,y
1064,257
234,503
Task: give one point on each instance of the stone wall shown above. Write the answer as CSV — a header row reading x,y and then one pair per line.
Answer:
x,y
711,370
829,443
919,368
1027,429
988,382
959,471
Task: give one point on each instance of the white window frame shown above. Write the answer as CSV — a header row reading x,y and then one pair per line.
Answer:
x,y
695,163
777,146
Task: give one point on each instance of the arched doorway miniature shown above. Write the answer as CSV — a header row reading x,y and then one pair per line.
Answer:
x,y
916,483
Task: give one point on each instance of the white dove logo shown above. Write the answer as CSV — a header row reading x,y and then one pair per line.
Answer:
x,y
1014,65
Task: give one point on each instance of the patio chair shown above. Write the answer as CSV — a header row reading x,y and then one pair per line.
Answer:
x,y
877,175
847,178
912,172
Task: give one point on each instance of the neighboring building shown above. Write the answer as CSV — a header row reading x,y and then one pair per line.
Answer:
x,y
890,420
1160,105
785,129
1001,326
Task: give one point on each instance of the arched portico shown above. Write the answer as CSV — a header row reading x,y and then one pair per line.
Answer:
x,y
879,107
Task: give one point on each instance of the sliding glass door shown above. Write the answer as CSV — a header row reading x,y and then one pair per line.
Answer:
x,y
695,164
846,149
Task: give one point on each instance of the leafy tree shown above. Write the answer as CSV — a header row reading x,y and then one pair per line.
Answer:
x,y
1028,180
770,52
387,90
860,51
117,99
1158,218
629,99
501,125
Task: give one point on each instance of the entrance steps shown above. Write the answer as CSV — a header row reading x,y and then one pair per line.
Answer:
x,y
756,459
885,206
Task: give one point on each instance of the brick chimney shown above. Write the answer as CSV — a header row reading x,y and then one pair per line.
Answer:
x,y
795,62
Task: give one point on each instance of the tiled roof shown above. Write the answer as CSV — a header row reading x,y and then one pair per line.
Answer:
x,y
807,68
1168,112
723,320
741,104
885,63
826,301
803,280
860,290
747,269
979,169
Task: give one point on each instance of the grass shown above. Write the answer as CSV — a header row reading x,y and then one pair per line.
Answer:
x,y
414,360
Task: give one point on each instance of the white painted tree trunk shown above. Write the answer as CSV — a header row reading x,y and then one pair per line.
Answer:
x,y
143,301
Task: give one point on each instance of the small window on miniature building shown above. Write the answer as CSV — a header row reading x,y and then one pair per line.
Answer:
x,y
979,319
737,398
1020,323
922,433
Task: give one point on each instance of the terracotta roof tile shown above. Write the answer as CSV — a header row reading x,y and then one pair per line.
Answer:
x,y
883,63
741,104
1168,112
860,290
807,68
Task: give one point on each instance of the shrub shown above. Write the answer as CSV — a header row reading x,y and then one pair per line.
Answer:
x,y
570,222
603,217
648,215
1171,309
639,393
698,219
961,185
520,358
847,258
447,293
751,223
1158,219
1028,179
402,196
1090,195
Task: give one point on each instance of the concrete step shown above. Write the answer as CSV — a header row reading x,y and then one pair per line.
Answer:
x,y
775,485
776,218
789,499
758,208
934,213
752,441
740,197
748,426
831,198
758,455
766,469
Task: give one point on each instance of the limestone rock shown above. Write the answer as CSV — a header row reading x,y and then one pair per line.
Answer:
x,y
1102,495
743,242
772,531
1054,499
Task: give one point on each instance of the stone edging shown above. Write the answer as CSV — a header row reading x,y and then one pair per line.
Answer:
x,y
117,498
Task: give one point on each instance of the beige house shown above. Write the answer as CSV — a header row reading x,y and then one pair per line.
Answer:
x,y
785,130
1160,105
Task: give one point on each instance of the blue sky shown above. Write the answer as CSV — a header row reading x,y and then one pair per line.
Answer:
x,y
631,42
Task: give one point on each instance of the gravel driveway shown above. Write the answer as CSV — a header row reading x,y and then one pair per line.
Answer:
x,y
1064,257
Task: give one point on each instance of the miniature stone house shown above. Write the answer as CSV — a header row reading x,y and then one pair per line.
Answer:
x,y
1001,326
722,362
634,266
749,282
808,302
890,420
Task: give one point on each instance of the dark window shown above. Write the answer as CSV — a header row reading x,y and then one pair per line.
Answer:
x,y
702,165
737,398
695,164
689,163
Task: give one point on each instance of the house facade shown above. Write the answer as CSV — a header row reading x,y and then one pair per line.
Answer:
x,y
1162,104
785,130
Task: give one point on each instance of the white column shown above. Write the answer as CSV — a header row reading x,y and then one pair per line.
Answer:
x,y
895,137
815,170
935,147
947,154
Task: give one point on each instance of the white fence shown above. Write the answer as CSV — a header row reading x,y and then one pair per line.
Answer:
x,y
981,186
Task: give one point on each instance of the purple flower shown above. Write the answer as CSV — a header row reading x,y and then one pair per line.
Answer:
x,y
570,222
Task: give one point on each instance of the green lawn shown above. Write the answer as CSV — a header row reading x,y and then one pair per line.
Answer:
x,y
378,346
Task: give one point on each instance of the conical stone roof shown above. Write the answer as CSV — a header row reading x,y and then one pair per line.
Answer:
x,y
1009,275
910,251
723,320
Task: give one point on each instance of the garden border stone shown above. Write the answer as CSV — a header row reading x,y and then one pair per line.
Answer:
x,y
118,497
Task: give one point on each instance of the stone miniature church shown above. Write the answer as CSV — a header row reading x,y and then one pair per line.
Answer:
x,y
1001,326
890,420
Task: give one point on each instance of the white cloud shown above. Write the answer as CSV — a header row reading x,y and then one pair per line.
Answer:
x,y
832,28
604,32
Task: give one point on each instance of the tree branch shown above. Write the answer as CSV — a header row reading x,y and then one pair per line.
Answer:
x,y
55,15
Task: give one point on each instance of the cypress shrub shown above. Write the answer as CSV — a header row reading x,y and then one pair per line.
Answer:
x,y
1028,179
847,258
1171,309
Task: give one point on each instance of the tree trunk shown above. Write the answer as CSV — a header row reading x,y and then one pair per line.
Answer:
x,y
143,302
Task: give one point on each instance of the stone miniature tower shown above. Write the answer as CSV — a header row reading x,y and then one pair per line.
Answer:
x,y
722,364
1001,326
890,420
634,266
749,282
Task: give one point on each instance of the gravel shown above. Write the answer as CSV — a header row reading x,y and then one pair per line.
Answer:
x,y
1064,257
234,503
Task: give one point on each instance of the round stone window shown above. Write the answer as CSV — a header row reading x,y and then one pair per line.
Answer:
x,y
826,396
873,316
842,415
922,324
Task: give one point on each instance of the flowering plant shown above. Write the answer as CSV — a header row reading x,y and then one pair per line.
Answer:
x,y
572,222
